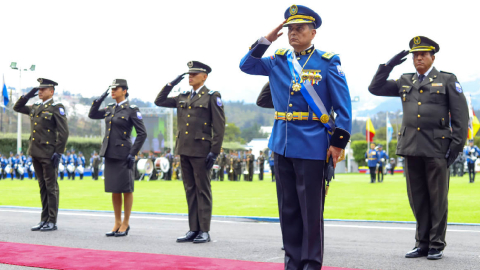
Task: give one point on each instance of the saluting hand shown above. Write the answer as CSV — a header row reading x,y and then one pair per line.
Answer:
x,y
272,36
104,95
32,93
334,153
178,79
397,59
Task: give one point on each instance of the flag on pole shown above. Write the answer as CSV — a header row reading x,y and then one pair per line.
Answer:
x,y
473,123
389,130
5,93
370,130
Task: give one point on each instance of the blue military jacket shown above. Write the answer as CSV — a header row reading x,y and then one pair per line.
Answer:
x,y
305,139
3,162
81,161
373,157
471,155
382,154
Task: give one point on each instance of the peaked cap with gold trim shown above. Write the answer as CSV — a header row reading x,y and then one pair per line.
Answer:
x,y
302,14
44,83
423,44
198,67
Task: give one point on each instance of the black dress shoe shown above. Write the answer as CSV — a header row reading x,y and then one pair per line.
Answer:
x,y
189,236
435,254
202,237
125,233
112,233
38,226
48,226
416,253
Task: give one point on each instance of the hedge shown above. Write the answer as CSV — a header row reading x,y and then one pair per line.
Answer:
x,y
8,143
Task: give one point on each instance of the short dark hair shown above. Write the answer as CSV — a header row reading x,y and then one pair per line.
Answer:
x,y
311,26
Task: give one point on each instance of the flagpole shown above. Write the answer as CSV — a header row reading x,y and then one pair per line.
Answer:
x,y
386,129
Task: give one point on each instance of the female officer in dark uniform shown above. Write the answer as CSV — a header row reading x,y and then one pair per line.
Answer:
x,y
117,148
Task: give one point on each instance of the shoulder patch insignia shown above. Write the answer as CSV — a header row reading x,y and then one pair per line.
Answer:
x,y
133,106
281,51
212,92
62,111
458,87
328,55
111,104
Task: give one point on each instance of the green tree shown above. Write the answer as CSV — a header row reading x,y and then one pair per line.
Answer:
x,y
232,133
252,132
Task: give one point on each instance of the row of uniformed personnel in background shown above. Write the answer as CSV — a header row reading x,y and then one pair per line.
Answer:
x,y
236,164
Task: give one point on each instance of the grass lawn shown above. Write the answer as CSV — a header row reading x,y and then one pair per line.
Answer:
x,y
351,196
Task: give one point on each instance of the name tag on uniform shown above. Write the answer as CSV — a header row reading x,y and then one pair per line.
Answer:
x,y
437,84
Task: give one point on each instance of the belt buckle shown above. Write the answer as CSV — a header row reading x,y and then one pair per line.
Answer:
x,y
289,116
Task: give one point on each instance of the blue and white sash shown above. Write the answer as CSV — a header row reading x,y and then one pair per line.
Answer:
x,y
309,93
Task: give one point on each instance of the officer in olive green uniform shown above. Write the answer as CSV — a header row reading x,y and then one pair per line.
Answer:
x,y
250,161
201,127
434,130
222,162
261,164
48,138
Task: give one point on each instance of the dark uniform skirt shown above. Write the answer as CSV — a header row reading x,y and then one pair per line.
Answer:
x,y
118,177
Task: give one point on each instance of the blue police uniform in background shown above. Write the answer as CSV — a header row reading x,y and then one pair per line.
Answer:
x,y
304,100
28,163
373,157
81,162
3,164
72,159
382,161
13,163
471,152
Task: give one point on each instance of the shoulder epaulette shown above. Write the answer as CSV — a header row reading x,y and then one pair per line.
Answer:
x,y
111,104
328,55
56,103
212,92
133,106
185,92
38,103
282,51
446,72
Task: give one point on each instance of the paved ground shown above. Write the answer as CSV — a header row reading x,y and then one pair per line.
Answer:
x,y
348,244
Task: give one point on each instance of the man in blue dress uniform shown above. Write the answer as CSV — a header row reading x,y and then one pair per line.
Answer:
x,y
382,161
3,164
307,86
471,152
81,162
12,160
372,159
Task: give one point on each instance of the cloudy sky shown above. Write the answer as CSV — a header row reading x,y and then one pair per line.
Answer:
x,y
84,45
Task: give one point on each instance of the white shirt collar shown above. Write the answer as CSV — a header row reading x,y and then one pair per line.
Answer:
x,y
197,89
46,101
118,104
426,73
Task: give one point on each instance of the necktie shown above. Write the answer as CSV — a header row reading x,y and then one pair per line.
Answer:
x,y
193,94
421,77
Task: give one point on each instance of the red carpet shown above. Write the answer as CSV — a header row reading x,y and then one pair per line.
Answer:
x,y
52,257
